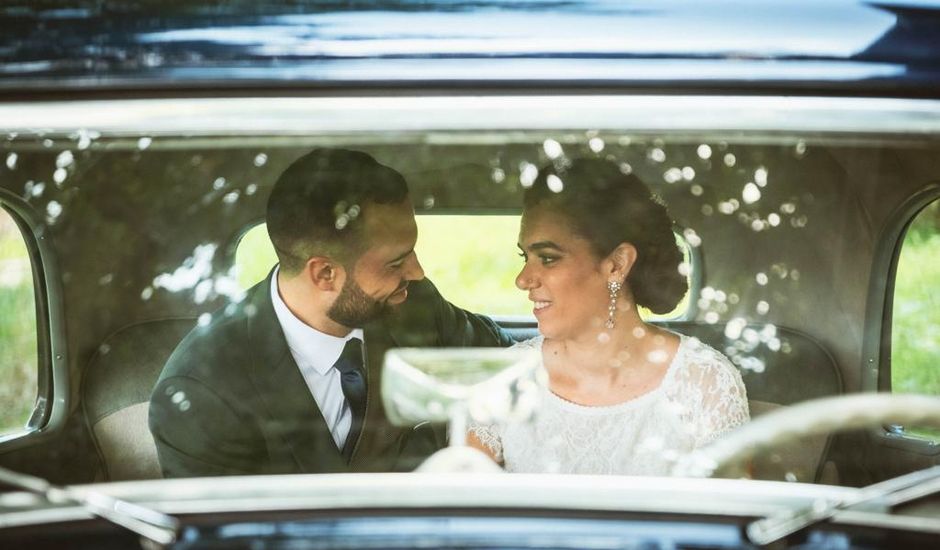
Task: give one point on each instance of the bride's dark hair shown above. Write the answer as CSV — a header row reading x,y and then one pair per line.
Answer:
x,y
608,207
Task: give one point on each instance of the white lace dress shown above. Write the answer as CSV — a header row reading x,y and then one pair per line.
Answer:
x,y
700,397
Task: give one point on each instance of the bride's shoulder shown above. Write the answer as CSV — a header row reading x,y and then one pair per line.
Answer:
x,y
702,363
531,343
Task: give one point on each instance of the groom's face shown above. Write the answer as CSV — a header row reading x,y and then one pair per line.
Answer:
x,y
378,279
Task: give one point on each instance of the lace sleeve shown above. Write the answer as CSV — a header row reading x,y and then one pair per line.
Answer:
x,y
489,435
716,397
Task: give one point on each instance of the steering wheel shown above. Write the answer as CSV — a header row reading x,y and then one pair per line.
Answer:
x,y
729,455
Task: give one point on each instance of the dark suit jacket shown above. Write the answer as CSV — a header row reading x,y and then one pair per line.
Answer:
x,y
231,399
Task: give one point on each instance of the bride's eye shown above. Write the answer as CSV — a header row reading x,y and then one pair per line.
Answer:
x,y
524,256
548,260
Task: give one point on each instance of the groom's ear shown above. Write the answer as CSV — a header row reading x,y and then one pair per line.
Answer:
x,y
325,273
622,260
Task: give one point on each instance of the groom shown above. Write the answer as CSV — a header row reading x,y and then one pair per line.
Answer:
x,y
287,380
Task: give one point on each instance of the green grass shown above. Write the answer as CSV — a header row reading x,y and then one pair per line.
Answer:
x,y
18,360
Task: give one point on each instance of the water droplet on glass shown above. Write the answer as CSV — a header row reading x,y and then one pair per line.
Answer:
x,y
763,307
230,198
146,293
691,237
720,296
59,176
639,332
800,148
761,278
790,476
219,183
711,317
697,190
36,189
64,160
603,337
685,269
672,175
757,225
788,208
498,175
184,406
84,141
261,159
527,174
734,328
730,160
429,201
53,209
106,279
11,161
707,210
760,176
795,274
624,141
251,189
341,221
688,173
708,293
143,143
726,207
704,152
552,148
104,349
596,144
554,183
773,219
799,221
625,168
656,155
47,143
178,397
751,193
657,356
204,319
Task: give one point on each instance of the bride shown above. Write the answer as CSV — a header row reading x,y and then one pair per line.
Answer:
x,y
624,396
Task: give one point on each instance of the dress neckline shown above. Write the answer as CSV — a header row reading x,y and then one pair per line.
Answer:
x,y
629,403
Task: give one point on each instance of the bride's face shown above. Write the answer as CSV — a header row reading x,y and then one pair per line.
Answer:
x,y
562,275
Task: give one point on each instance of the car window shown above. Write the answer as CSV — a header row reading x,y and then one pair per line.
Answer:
x,y
475,273
18,329
915,328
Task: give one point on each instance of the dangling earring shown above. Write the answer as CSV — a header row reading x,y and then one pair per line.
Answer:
x,y
614,288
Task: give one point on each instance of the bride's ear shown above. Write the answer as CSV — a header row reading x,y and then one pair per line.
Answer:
x,y
621,261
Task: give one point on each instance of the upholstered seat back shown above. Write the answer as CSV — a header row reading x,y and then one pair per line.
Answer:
x,y
116,395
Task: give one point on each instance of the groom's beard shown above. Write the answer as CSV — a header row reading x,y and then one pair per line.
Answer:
x,y
354,308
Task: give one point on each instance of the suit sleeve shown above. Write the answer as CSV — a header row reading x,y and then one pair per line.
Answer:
x,y
198,433
429,319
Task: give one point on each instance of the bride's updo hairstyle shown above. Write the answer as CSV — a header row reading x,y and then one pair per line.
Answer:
x,y
607,207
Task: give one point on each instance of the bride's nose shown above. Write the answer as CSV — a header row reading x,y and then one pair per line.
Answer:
x,y
525,280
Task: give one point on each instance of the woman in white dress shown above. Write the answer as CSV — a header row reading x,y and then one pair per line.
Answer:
x,y
624,396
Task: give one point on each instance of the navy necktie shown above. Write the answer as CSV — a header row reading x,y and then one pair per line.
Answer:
x,y
353,383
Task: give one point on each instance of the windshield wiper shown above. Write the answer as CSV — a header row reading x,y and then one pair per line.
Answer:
x,y
883,495
151,524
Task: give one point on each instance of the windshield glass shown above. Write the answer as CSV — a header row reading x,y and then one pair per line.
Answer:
x,y
223,304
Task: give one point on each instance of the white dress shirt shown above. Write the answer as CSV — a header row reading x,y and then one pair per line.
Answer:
x,y
315,353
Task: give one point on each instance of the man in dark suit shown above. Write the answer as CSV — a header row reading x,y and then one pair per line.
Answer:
x,y
281,381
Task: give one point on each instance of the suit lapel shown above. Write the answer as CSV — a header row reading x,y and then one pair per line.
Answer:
x,y
293,415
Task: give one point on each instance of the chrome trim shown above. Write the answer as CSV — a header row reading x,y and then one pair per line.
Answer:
x,y
885,521
306,116
397,492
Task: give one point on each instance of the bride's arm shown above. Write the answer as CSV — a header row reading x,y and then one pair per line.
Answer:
x,y
474,440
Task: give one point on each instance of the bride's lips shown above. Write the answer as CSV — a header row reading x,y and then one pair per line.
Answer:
x,y
539,307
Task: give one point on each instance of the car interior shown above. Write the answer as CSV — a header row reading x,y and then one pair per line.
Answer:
x,y
793,240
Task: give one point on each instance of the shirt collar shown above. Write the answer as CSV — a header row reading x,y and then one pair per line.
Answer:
x,y
317,349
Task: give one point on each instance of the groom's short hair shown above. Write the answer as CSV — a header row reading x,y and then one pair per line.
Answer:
x,y
318,204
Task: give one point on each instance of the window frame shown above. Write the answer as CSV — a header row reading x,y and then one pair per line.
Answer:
x,y
877,343
51,408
